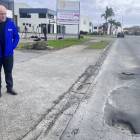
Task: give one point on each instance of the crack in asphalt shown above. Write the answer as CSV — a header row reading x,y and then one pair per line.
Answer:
x,y
53,113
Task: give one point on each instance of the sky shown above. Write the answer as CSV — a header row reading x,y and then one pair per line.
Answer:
x,y
126,11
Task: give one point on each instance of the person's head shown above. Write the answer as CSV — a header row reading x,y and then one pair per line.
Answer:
x,y
43,25
3,13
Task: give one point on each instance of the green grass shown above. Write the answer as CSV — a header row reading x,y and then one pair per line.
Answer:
x,y
99,45
95,35
75,39
22,45
58,44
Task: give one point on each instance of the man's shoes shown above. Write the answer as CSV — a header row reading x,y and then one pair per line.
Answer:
x,y
11,91
0,93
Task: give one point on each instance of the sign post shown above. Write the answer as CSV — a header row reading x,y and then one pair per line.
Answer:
x,y
79,23
56,19
100,30
68,13
63,31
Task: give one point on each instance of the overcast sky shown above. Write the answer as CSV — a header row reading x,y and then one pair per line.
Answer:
x,y
130,9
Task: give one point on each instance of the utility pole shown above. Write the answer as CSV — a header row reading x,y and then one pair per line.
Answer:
x,y
122,22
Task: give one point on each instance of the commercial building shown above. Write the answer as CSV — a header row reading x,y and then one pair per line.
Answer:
x,y
33,19
9,5
105,27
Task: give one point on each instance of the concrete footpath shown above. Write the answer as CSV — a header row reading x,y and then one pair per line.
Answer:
x,y
47,83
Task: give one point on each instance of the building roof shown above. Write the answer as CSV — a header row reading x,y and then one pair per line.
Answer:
x,y
36,10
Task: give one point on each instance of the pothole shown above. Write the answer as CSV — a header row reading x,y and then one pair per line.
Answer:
x,y
127,75
118,120
121,110
123,126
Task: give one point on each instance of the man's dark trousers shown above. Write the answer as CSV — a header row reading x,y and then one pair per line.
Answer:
x,y
45,36
7,63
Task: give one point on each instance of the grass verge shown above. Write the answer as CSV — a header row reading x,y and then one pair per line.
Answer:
x,y
99,45
95,35
58,44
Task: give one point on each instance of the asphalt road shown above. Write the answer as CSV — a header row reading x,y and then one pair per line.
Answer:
x,y
110,110
43,80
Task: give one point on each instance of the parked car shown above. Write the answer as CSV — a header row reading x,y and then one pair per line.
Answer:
x,y
120,34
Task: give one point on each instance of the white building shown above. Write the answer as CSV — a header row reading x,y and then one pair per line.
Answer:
x,y
35,18
96,27
85,25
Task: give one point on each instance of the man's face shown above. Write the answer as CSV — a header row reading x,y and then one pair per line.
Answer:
x,y
3,14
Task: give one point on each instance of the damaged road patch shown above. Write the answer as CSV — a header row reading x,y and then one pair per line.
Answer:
x,y
127,76
122,110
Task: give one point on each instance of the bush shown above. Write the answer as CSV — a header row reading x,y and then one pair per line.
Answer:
x,y
83,32
94,33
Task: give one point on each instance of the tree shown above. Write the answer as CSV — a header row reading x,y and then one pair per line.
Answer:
x,y
108,13
117,24
112,22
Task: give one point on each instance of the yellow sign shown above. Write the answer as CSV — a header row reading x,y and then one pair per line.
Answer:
x,y
63,5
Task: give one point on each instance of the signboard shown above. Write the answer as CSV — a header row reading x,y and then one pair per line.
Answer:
x,y
100,30
67,18
111,30
84,22
68,5
68,12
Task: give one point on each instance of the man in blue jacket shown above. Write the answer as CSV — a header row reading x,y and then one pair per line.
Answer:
x,y
9,39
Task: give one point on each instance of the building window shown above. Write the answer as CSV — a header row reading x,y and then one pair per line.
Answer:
x,y
26,23
58,29
100,27
50,16
95,27
23,23
29,25
25,15
90,23
5,4
10,6
42,15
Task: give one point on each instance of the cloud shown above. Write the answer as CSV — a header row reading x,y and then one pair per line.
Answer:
x,y
130,9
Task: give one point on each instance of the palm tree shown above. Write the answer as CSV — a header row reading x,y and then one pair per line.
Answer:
x,y
112,22
117,24
108,13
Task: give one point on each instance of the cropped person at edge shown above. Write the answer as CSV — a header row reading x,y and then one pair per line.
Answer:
x,y
9,39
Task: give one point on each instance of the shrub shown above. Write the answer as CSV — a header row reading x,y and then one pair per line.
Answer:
x,y
83,32
94,33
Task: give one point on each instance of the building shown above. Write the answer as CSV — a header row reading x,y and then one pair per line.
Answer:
x,y
33,19
105,27
133,30
102,27
85,25
9,5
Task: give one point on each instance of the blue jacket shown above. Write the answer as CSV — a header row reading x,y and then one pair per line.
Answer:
x,y
11,38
